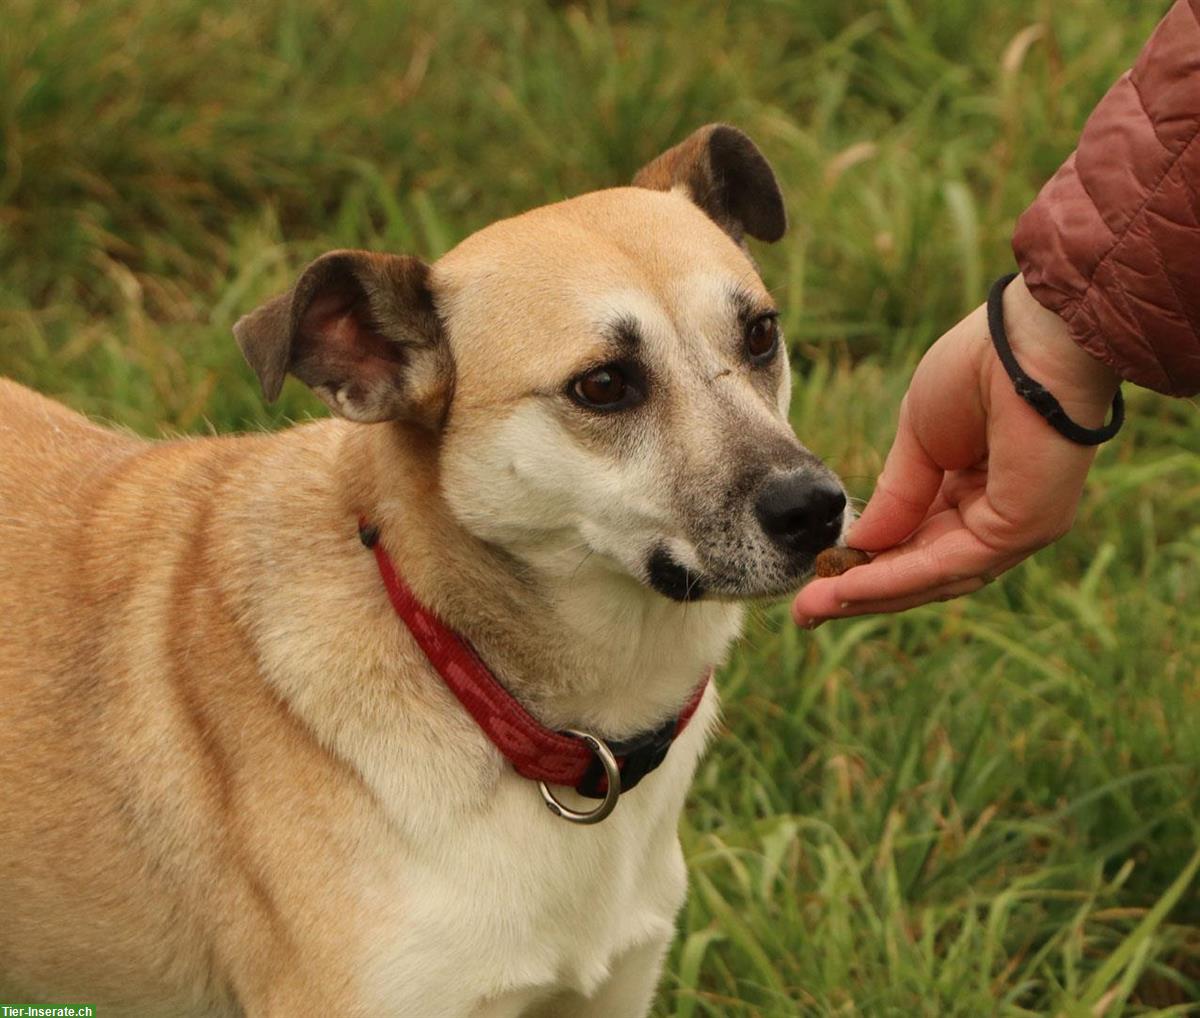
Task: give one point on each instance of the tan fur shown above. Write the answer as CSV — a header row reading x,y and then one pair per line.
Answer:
x,y
229,777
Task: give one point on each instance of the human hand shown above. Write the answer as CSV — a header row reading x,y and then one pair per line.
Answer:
x,y
976,480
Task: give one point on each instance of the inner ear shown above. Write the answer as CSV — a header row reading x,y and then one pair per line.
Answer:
x,y
362,331
341,352
726,175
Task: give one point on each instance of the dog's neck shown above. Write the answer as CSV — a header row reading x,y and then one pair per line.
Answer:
x,y
578,642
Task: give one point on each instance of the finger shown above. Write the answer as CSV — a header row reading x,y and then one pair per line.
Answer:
x,y
817,600
822,600
941,503
941,552
946,592
908,484
915,570
960,485
826,598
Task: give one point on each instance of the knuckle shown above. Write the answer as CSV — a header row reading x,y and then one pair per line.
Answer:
x,y
1022,531
1007,532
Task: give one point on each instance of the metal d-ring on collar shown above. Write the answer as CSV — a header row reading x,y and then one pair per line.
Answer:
x,y
612,772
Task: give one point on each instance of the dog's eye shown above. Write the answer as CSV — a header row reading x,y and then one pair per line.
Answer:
x,y
762,338
607,388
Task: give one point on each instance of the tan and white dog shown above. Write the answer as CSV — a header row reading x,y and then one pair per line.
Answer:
x,y
230,781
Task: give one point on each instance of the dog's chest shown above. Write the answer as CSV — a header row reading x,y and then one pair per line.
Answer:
x,y
519,906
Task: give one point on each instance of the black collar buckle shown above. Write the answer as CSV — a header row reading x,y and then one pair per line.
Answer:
x,y
636,758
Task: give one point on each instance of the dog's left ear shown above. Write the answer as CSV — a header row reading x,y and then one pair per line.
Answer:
x,y
361,330
724,173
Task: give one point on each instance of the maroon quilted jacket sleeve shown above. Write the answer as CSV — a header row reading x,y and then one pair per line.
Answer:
x,y
1112,243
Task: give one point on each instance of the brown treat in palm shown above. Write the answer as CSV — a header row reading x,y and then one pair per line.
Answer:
x,y
835,561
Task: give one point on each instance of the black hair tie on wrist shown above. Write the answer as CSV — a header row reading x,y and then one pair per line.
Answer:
x,y
1036,394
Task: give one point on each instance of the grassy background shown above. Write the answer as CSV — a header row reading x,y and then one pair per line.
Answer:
x,y
983,808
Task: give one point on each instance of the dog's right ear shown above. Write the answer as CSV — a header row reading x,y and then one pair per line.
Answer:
x,y
723,172
361,330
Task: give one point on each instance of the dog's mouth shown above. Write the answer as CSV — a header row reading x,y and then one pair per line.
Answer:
x,y
671,579
684,584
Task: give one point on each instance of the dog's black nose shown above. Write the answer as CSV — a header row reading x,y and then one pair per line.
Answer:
x,y
801,511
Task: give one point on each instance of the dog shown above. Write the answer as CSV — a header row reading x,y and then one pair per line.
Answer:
x,y
298,723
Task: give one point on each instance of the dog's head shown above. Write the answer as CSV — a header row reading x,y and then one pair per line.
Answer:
x,y
606,376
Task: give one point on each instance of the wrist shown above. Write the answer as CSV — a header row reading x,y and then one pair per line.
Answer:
x,y
1045,349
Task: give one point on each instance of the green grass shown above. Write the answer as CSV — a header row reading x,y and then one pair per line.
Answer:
x,y
981,808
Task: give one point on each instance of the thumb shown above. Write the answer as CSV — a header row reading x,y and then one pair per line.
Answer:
x,y
903,494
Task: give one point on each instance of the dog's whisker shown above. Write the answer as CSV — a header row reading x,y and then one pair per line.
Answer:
x,y
587,555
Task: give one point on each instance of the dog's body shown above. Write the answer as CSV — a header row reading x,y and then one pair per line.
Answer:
x,y
232,783
274,791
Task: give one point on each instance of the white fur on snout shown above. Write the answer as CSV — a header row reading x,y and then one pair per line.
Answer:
x,y
684,553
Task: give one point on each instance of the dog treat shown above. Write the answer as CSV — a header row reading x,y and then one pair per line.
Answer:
x,y
835,561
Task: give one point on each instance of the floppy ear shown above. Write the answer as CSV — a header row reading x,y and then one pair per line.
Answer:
x,y
724,173
360,329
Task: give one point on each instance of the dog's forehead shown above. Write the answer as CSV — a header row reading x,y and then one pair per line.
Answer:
x,y
529,294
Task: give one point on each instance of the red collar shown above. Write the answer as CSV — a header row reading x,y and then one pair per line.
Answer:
x,y
536,752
